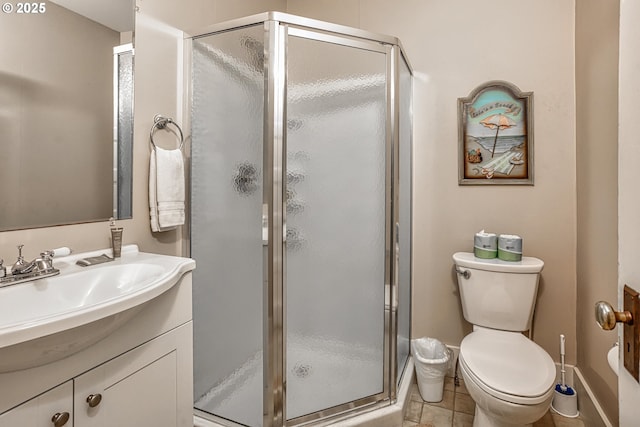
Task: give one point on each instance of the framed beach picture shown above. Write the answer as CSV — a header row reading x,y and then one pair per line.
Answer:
x,y
495,136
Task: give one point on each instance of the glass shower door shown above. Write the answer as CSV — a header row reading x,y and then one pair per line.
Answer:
x,y
336,221
226,223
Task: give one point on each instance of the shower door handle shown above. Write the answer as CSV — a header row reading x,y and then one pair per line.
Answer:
x,y
265,224
396,269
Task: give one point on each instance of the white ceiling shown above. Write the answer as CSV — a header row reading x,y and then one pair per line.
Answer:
x,y
115,14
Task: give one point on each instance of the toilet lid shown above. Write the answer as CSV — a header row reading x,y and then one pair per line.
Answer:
x,y
508,363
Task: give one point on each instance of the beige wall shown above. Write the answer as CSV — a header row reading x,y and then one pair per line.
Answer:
x,y
597,29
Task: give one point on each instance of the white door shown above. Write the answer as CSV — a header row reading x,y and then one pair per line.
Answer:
x,y
629,187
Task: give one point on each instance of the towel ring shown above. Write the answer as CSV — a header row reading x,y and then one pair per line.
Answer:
x,y
160,122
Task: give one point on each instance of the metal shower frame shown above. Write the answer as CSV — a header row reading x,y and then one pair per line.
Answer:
x,y
278,26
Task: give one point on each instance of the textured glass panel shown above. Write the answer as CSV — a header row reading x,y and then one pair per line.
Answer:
x,y
335,224
125,135
226,223
404,265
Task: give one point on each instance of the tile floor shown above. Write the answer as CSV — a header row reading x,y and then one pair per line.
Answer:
x,y
457,408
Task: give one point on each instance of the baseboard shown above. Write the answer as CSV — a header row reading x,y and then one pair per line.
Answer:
x,y
590,409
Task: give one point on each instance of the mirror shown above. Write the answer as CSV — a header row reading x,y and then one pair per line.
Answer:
x,y
66,112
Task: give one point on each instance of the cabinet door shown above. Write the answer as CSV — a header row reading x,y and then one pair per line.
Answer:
x,y
41,410
137,389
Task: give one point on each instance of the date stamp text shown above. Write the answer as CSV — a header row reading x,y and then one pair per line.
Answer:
x,y
24,8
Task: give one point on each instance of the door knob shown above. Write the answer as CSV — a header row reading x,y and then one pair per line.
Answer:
x,y
60,419
607,317
94,400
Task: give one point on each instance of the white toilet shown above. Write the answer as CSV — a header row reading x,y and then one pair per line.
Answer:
x,y
510,377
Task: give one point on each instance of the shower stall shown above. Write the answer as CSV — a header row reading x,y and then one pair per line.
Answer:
x,y
300,220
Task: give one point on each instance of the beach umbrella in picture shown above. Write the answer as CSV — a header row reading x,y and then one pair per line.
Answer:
x,y
498,122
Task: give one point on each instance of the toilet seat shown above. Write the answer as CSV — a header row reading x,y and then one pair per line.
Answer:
x,y
508,366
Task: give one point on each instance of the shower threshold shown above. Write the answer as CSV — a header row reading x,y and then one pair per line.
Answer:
x,y
389,415
320,374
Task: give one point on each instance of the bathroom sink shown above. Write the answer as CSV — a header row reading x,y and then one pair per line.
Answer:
x,y
49,319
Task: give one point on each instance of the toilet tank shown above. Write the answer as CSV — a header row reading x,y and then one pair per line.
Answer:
x,y
498,294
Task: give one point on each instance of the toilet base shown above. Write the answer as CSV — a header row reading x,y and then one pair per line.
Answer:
x,y
493,412
481,419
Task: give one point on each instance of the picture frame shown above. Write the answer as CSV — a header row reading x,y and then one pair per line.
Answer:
x,y
495,135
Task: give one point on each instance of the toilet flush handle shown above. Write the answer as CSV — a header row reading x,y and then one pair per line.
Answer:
x,y
465,273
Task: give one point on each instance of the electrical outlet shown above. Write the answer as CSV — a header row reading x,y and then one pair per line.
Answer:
x,y
631,336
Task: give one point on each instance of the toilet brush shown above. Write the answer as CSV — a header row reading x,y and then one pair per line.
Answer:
x,y
565,399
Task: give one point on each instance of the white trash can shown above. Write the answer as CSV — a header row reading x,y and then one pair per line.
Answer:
x,y
432,359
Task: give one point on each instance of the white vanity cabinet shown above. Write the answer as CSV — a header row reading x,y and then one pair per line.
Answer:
x,y
137,389
141,375
55,404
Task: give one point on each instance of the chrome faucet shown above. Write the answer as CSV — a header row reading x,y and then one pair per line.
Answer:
x,y
23,271
44,264
21,266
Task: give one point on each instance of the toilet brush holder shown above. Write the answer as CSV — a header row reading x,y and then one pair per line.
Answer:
x,y
565,402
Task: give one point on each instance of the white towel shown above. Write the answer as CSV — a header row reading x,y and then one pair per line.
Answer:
x,y
166,189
